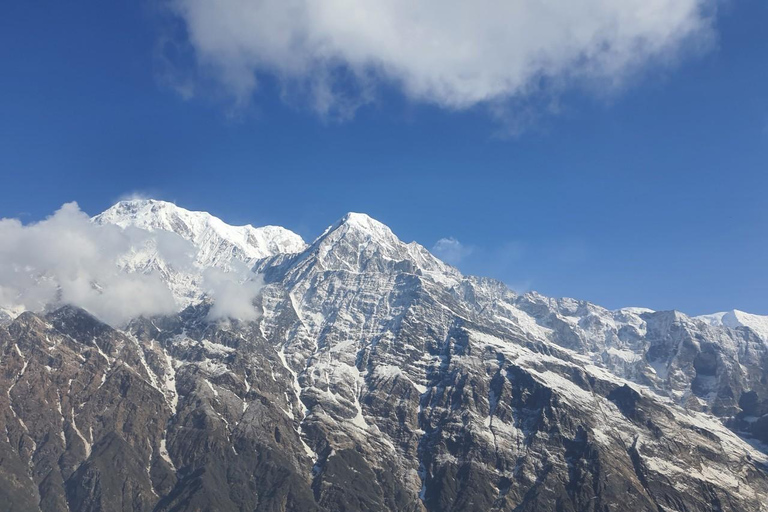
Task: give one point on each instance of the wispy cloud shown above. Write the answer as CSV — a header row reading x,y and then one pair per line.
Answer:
x,y
335,54
139,195
495,261
451,250
522,265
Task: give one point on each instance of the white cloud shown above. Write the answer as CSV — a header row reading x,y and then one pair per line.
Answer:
x,y
68,259
452,53
451,250
233,293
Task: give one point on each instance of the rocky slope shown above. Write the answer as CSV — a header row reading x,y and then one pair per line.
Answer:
x,y
379,378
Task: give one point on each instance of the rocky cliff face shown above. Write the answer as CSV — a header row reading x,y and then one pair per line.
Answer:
x,y
378,378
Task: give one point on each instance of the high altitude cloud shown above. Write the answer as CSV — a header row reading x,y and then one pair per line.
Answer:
x,y
452,53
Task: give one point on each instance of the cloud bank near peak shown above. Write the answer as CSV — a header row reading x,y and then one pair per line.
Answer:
x,y
67,259
450,53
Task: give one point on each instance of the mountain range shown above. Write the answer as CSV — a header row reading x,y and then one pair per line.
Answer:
x,y
366,374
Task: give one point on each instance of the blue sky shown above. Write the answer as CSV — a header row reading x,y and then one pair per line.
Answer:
x,y
652,193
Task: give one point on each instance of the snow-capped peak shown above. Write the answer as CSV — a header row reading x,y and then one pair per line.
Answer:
x,y
736,318
216,240
212,244
359,243
364,221
360,225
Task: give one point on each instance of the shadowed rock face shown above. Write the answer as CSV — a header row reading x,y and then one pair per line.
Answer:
x,y
378,378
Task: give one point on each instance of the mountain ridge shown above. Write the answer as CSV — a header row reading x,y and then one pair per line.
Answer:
x,y
735,318
197,226
376,377
364,222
